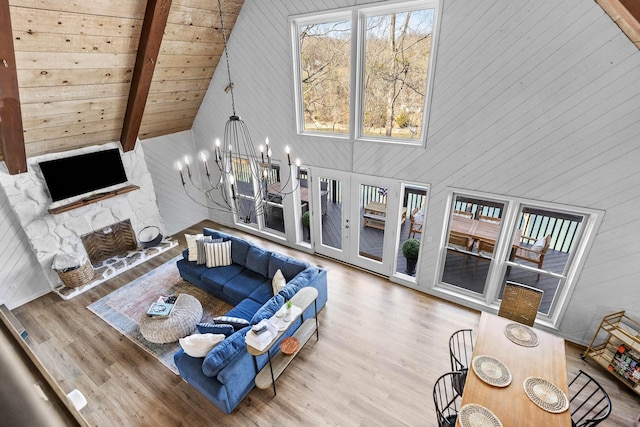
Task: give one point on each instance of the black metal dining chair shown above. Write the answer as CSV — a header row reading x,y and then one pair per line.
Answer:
x,y
590,403
460,353
447,399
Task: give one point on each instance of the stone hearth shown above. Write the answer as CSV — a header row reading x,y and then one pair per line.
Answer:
x,y
110,267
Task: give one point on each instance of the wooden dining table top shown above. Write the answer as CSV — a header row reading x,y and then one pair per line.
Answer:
x,y
510,404
477,229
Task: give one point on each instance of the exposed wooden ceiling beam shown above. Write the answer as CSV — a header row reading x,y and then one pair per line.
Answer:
x,y
155,20
11,132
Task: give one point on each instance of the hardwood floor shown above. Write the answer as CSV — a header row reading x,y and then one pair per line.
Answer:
x,y
381,347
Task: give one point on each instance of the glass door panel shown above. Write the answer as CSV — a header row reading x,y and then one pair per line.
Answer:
x,y
414,203
373,208
331,217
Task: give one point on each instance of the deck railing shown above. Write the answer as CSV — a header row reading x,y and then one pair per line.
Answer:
x,y
535,223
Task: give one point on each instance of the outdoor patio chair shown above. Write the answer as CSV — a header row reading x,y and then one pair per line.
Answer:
x,y
415,223
485,253
534,254
590,403
460,244
520,303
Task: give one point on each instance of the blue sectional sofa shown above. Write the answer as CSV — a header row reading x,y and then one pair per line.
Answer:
x,y
226,375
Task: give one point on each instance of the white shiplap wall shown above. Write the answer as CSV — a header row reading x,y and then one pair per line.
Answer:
x,y
21,277
161,155
540,101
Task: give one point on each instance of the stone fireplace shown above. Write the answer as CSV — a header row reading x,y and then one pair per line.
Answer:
x,y
112,240
62,233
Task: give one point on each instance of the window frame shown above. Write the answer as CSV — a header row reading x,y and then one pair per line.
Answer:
x,y
358,15
489,299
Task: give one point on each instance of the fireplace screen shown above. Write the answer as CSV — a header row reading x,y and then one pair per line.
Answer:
x,y
112,240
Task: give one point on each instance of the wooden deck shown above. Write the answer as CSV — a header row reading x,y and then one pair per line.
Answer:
x,y
457,271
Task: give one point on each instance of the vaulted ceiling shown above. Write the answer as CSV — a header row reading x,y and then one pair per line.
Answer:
x,y
75,63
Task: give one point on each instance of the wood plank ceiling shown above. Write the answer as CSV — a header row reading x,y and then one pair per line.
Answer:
x,y
75,60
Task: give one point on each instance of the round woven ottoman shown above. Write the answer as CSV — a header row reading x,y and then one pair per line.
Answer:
x,y
185,315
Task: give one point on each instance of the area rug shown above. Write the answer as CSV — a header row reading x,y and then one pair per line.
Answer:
x,y
122,309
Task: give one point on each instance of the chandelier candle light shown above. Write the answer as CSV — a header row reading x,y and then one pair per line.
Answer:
x,y
246,186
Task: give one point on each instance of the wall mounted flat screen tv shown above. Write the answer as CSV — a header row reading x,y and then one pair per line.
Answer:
x,y
76,175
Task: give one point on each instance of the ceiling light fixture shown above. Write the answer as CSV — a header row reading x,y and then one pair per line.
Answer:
x,y
244,184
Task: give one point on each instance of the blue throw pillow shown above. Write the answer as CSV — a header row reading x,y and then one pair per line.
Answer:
x,y
214,328
258,261
237,322
268,309
225,352
290,267
239,250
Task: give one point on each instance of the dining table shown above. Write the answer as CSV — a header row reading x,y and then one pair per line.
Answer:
x,y
530,356
478,229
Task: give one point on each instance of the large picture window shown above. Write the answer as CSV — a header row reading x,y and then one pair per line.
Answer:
x,y
364,72
491,240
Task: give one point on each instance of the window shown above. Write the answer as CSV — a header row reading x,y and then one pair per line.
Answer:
x,y
380,93
325,57
490,241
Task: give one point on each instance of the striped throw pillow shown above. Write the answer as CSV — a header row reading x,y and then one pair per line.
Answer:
x,y
218,254
192,245
202,255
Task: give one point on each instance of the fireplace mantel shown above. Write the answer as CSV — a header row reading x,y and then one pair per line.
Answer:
x,y
92,199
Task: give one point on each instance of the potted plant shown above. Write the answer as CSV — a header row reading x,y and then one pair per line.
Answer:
x,y
306,219
287,312
410,250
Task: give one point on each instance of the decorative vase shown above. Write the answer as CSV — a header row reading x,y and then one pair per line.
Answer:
x,y
287,315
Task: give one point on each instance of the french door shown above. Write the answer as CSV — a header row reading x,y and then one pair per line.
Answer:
x,y
355,219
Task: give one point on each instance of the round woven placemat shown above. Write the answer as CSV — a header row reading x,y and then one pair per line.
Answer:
x,y
521,335
472,415
546,395
289,345
491,371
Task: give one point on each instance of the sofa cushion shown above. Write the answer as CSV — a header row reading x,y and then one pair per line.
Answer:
x,y
215,233
298,282
268,309
243,285
190,270
290,267
245,310
239,250
262,293
198,345
213,328
225,352
258,261
220,275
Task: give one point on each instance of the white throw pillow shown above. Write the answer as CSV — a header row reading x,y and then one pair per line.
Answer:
x,y
198,345
278,282
218,254
537,246
192,245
